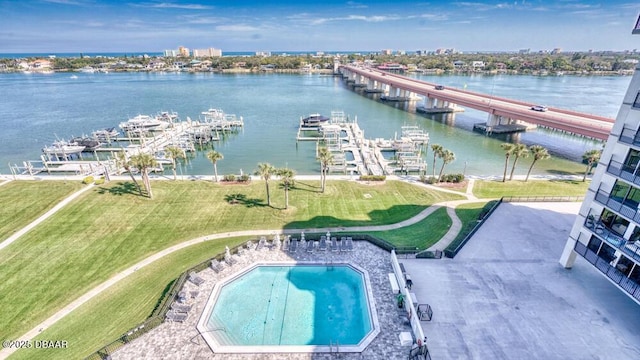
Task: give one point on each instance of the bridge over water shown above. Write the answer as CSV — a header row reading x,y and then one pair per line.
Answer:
x,y
501,111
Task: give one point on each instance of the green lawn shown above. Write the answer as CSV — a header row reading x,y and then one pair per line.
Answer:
x,y
24,201
420,235
121,307
497,189
110,227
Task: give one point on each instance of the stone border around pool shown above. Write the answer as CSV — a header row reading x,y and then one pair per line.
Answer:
x,y
217,348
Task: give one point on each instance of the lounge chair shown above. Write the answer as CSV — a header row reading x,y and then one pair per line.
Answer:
x,y
176,316
216,265
262,242
180,308
310,245
322,245
334,244
343,244
349,244
194,278
285,244
229,259
294,245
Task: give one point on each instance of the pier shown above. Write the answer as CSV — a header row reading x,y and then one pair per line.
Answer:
x,y
141,134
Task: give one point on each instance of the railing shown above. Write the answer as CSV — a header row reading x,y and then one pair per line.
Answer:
x,y
618,205
542,198
615,275
630,136
623,171
414,320
452,253
602,231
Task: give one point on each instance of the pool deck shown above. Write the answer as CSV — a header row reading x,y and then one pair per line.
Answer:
x,y
183,341
505,296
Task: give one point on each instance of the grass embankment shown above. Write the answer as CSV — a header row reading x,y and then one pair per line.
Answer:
x,y
123,306
469,214
110,228
23,202
497,189
420,235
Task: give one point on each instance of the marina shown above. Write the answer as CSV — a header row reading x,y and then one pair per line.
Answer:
x,y
142,134
42,109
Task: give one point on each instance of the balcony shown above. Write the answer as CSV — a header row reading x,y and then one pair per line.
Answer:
x,y
618,205
623,171
630,248
630,286
630,136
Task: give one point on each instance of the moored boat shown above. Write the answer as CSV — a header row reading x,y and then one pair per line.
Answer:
x,y
314,120
63,148
143,123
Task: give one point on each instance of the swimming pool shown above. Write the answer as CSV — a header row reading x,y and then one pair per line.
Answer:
x,y
291,307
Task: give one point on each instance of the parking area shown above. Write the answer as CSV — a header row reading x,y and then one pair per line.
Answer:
x,y
505,296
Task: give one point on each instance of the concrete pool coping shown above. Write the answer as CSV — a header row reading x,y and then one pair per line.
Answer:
x,y
216,347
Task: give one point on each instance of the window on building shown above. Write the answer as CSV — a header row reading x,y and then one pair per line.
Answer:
x,y
620,190
594,244
615,223
607,253
633,199
632,161
624,265
635,236
635,274
636,103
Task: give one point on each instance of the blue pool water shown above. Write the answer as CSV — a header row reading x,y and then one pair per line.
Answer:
x,y
292,305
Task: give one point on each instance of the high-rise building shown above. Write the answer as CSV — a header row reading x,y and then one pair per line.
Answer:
x,y
183,51
210,52
607,230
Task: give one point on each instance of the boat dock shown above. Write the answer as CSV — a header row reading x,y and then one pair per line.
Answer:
x,y
353,153
142,134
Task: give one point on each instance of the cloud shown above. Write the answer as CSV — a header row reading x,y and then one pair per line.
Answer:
x,y
240,28
355,5
66,2
375,19
168,5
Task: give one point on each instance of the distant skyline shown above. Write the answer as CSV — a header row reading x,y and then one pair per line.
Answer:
x,y
36,26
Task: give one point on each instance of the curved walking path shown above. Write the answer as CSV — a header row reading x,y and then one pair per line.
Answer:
x,y
31,334
44,216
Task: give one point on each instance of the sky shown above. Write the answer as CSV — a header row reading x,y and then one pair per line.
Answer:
x,y
33,26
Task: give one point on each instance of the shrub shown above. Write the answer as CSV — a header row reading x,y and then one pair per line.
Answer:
x,y
244,178
229,177
100,181
431,180
87,180
373,177
452,178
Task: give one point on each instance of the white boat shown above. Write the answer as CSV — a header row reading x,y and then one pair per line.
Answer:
x,y
142,123
73,76
105,134
87,69
63,149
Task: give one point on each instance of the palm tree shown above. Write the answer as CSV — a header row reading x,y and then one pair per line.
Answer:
x,y
265,170
508,150
214,157
437,152
174,153
122,161
144,162
591,157
447,157
326,159
286,176
539,153
520,150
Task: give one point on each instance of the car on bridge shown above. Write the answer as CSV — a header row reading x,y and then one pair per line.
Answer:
x,y
439,87
539,108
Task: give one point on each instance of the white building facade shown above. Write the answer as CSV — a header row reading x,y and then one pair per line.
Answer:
x,y
607,230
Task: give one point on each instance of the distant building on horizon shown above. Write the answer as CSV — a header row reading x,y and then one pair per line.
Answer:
x,y
263,53
386,51
183,51
210,52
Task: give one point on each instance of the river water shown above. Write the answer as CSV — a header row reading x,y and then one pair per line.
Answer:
x,y
37,109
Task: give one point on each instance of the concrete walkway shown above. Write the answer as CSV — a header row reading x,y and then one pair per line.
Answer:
x,y
449,236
